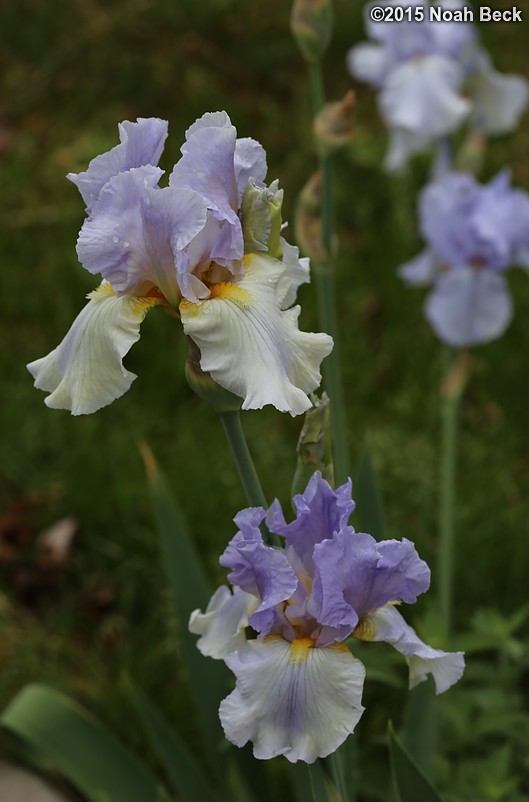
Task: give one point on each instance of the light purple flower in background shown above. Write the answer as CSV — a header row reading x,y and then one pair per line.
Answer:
x,y
299,688
431,76
474,232
187,246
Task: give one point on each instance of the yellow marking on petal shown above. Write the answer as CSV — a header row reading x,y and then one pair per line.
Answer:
x,y
299,649
228,291
338,647
140,306
103,291
365,629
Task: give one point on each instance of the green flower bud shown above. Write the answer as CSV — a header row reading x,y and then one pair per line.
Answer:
x,y
314,445
261,219
311,25
334,124
203,385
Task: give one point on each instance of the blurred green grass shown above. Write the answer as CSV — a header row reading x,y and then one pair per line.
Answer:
x,y
67,78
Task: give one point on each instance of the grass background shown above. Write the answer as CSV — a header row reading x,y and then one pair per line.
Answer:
x,y
68,76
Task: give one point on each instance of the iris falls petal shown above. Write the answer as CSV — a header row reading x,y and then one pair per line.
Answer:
x,y
292,699
85,372
251,346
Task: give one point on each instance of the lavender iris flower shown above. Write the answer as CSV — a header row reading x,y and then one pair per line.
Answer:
x,y
299,688
431,76
474,233
187,247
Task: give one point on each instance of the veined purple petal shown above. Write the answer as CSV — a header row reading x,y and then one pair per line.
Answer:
x,y
355,574
258,569
141,144
136,232
208,167
320,512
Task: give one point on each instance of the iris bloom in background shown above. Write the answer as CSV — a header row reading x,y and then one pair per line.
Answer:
x,y
207,246
431,76
474,233
299,688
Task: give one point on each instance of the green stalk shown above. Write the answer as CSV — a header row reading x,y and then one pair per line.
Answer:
x,y
323,272
451,393
231,421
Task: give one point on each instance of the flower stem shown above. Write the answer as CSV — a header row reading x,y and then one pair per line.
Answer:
x,y
323,272
451,392
231,421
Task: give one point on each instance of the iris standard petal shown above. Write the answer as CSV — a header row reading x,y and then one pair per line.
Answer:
x,y
446,208
354,574
388,625
292,699
136,233
252,347
249,162
469,306
141,143
222,625
85,372
320,512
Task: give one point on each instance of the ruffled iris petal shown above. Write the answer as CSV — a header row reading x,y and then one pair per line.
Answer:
x,y
354,574
297,272
208,167
141,143
252,347
85,372
292,699
320,512
137,233
258,569
469,306
249,162
388,625
222,625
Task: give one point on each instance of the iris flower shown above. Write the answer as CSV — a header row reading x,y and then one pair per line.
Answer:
x,y
208,247
431,76
474,233
299,687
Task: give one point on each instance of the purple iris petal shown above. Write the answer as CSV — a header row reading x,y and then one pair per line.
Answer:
x,y
249,162
258,569
469,306
467,223
141,144
208,167
320,512
136,232
355,574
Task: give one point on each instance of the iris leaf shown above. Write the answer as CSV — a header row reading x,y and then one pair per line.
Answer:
x,y
409,783
61,737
